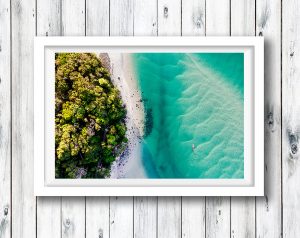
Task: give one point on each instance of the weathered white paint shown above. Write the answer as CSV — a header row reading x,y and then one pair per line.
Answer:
x,y
48,209
121,17
217,208
169,217
169,17
97,217
73,217
97,208
23,202
193,217
144,217
242,208
193,208
193,18
73,209
290,118
121,217
5,120
169,208
145,208
268,208
97,18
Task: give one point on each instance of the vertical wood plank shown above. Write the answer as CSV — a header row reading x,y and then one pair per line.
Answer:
x,y
97,18
290,117
121,17
23,200
73,217
242,208
121,217
145,217
218,208
97,217
145,18
169,217
145,208
48,217
5,120
242,217
97,208
48,208
242,18
73,17
268,208
193,208
169,17
193,217
217,217
193,18
121,208
73,209
169,208
218,17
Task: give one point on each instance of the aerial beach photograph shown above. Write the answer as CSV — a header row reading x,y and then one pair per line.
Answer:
x,y
158,115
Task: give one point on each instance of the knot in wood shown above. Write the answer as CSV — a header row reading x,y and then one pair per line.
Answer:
x,y
270,120
68,223
198,22
166,10
5,210
294,148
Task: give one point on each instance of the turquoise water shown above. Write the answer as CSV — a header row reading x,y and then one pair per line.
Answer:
x,y
194,107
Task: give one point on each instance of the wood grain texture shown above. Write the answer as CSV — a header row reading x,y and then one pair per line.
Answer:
x,y
48,221
193,208
121,217
145,217
169,208
169,217
97,217
73,208
218,17
145,18
145,208
97,18
97,208
5,120
121,208
121,17
290,118
169,17
218,208
148,217
193,18
242,208
193,217
268,208
73,217
48,23
23,200
48,20
73,17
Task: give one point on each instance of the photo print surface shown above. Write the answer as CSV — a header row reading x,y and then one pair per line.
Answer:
x,y
149,115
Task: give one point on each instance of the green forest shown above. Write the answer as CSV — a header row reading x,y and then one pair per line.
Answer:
x,y
89,117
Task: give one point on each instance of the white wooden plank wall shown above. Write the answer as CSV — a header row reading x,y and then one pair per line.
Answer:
x,y
274,215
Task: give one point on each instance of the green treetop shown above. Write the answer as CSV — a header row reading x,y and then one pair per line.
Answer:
x,y
89,117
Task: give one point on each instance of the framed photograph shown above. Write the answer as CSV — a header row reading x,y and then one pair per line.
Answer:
x,y
149,116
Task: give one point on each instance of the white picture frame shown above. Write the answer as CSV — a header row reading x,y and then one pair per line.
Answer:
x,y
45,183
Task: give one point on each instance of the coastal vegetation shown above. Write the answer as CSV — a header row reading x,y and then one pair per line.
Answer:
x,y
89,117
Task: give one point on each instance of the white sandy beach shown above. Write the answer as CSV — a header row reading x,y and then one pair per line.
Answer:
x,y
130,164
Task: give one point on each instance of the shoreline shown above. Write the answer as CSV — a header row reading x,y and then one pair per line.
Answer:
x,y
129,164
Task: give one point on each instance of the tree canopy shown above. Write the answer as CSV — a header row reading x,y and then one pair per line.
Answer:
x,y
89,117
